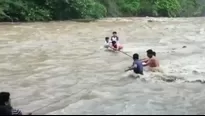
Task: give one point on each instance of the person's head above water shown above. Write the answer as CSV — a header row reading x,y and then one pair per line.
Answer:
x,y
114,33
114,44
107,39
4,98
135,56
150,53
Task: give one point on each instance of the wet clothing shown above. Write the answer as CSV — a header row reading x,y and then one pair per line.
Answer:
x,y
117,47
114,46
138,67
115,38
107,44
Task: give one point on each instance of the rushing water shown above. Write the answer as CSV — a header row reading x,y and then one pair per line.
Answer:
x,y
60,68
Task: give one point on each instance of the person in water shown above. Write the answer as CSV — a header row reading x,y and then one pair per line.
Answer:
x,y
115,46
145,60
115,37
137,66
153,62
5,102
107,42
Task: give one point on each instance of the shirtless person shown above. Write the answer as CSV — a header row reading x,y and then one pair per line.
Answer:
x,y
153,62
145,60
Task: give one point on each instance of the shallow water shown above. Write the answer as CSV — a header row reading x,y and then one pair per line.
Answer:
x,y
60,68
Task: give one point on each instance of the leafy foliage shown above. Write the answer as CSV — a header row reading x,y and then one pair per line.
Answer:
x,y
129,7
168,8
45,10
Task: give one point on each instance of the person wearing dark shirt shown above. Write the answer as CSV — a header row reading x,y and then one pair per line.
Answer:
x,y
137,66
5,111
5,102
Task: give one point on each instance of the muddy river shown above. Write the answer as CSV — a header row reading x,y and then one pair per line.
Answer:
x,y
61,68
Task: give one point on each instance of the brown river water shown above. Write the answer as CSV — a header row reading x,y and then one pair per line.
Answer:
x,y
61,68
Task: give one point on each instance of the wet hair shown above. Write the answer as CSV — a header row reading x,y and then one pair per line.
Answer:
x,y
154,53
107,38
135,56
4,97
114,32
150,51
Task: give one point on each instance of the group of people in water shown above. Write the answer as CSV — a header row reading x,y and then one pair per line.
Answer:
x,y
113,42
138,64
137,67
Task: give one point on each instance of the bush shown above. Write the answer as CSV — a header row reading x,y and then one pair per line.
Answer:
x,y
147,8
95,10
18,10
129,7
45,10
167,8
75,9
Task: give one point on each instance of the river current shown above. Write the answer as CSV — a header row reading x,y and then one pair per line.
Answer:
x,y
61,68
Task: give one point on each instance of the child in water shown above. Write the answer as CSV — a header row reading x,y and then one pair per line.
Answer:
x,y
116,47
114,37
107,42
115,41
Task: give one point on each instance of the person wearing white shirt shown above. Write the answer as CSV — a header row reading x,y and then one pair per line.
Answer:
x,y
115,37
107,42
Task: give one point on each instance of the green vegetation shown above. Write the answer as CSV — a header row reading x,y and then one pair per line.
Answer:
x,y
46,10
